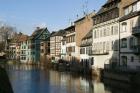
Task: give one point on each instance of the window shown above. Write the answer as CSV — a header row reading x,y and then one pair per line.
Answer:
x,y
124,43
116,46
132,59
130,9
42,50
100,33
104,32
124,24
104,45
131,24
131,42
42,44
82,51
112,30
124,61
126,11
95,34
63,42
87,50
135,7
115,30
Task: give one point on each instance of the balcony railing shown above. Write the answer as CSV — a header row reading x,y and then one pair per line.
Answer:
x,y
136,49
136,31
99,52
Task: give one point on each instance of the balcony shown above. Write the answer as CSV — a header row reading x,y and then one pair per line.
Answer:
x,y
99,52
136,49
136,31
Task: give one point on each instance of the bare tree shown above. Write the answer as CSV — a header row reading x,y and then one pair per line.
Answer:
x,y
7,32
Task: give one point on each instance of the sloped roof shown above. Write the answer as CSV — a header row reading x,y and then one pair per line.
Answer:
x,y
104,9
59,33
37,32
19,38
23,38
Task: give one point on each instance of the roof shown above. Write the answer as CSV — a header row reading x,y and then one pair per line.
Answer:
x,y
18,38
80,19
59,33
130,3
37,32
70,27
104,9
23,38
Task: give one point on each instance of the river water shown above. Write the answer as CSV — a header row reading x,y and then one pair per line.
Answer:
x,y
28,79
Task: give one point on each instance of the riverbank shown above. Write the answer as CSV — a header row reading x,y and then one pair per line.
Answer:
x,y
122,75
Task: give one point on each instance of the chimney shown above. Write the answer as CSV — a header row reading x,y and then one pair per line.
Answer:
x,y
37,28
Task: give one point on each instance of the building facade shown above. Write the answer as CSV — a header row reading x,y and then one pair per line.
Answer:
x,y
106,34
55,45
71,47
36,39
63,48
86,50
82,27
130,35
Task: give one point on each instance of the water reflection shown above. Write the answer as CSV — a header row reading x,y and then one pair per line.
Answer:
x,y
35,80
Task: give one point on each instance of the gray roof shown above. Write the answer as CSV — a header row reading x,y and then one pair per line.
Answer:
x,y
59,33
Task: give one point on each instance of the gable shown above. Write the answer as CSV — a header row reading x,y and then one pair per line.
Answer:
x,y
43,35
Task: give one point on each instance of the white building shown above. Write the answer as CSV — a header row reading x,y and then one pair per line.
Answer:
x,y
55,45
24,49
63,48
106,34
130,36
86,49
71,48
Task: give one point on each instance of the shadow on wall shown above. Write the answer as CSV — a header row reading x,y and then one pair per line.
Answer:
x,y
5,86
129,51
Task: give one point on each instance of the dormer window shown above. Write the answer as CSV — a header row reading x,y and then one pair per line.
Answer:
x,y
131,8
126,11
135,7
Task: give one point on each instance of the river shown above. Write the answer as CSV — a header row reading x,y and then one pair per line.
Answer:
x,y
28,79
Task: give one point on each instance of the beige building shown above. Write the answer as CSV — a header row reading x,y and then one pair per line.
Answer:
x,y
82,27
130,34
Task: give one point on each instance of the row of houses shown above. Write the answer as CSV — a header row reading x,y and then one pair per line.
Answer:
x,y
110,36
30,49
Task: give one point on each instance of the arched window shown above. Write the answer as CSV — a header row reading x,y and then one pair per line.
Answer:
x,y
124,25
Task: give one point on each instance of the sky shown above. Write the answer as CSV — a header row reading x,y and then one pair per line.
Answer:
x,y
26,15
